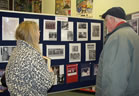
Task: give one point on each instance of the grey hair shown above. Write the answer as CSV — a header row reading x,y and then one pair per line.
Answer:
x,y
116,19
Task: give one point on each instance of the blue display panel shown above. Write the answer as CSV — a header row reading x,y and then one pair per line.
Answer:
x,y
73,44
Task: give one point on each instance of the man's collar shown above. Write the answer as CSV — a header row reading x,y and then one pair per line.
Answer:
x,y
118,27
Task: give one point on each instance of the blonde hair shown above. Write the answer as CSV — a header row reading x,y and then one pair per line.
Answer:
x,y
27,31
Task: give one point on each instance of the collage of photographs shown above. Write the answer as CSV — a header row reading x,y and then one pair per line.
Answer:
x,y
72,44
50,34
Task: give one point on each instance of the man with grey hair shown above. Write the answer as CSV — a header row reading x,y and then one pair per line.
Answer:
x,y
119,60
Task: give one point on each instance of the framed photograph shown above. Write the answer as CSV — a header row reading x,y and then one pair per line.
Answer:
x,y
2,88
82,31
4,4
67,31
74,52
135,24
9,25
50,30
37,6
90,51
56,51
84,8
27,5
22,5
85,71
5,53
63,7
95,31
59,74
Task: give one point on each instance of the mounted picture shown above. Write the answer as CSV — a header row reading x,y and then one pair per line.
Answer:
x,y
27,5
95,31
74,52
67,31
5,53
9,25
50,30
56,51
82,31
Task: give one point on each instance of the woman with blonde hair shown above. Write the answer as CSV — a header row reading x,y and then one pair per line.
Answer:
x,y
27,73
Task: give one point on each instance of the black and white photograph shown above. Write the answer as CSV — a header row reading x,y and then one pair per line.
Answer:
x,y
64,25
56,51
52,35
74,52
74,56
135,24
90,51
5,53
70,35
75,48
82,35
66,31
92,54
50,30
59,74
82,31
82,26
95,69
9,25
85,71
95,31
2,88
50,25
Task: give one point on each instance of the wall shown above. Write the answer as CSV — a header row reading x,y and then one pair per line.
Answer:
x,y
48,6
100,6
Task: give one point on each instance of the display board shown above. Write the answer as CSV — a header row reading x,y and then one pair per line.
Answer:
x,y
73,44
